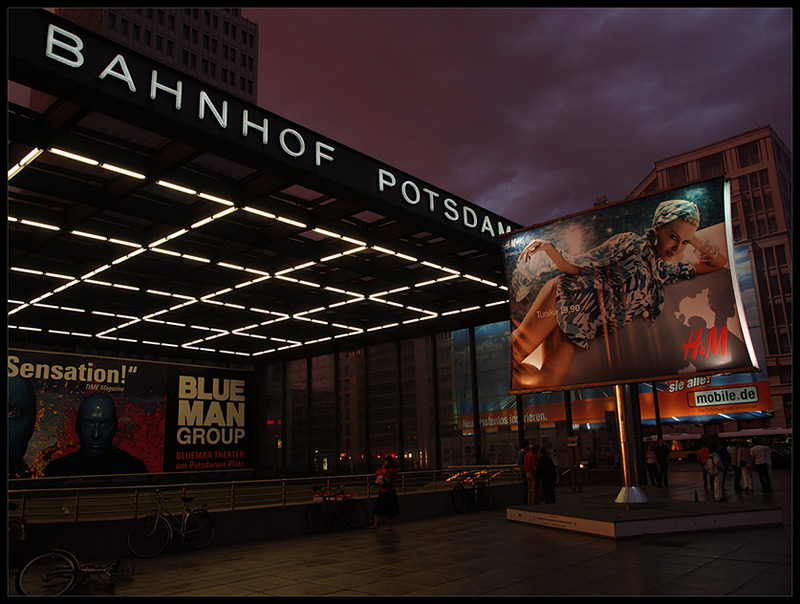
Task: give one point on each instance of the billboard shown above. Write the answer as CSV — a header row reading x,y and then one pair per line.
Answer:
x,y
74,415
637,291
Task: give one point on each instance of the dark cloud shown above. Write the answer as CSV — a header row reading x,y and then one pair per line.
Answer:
x,y
532,113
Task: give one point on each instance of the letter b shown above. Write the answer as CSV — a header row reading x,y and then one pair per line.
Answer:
x,y
75,50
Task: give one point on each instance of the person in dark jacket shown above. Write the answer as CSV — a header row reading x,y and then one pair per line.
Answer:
x,y
547,476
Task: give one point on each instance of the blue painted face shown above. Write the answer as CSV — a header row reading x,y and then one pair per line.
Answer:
x,y
97,424
21,418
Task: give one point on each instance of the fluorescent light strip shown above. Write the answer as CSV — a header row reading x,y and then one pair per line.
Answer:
x,y
40,225
32,155
123,171
74,156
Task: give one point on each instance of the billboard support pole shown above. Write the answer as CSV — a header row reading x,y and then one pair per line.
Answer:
x,y
630,493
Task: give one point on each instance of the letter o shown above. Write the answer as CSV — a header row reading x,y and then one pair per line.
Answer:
x,y
417,194
299,139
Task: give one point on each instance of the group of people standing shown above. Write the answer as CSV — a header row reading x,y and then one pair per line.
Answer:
x,y
539,474
716,459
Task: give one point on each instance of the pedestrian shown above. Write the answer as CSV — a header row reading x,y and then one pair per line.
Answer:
x,y
652,466
386,504
734,452
521,465
746,465
716,470
662,459
530,470
762,459
547,475
725,456
702,458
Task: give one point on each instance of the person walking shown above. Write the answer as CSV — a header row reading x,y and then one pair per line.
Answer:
x,y
716,470
762,459
530,470
662,459
387,504
547,475
702,458
734,452
521,465
746,466
652,466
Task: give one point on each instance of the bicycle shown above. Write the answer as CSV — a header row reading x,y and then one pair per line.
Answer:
x,y
58,571
16,530
465,498
149,536
335,502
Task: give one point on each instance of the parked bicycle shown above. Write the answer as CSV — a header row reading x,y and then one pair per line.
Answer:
x,y
335,502
16,530
476,494
58,571
149,536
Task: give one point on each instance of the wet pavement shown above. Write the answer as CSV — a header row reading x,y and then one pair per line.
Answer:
x,y
483,553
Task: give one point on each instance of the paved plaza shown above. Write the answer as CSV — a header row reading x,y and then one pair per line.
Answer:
x,y
483,553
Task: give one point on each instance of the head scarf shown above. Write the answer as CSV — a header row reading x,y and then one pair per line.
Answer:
x,y
676,209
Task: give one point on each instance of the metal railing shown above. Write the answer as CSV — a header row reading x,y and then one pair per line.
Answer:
x,y
125,502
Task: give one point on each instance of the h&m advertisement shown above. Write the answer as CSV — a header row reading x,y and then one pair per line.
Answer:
x,y
636,291
72,415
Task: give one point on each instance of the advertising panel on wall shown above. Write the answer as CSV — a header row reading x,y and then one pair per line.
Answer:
x,y
634,291
73,415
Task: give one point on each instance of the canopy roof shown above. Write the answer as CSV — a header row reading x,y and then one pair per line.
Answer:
x,y
140,227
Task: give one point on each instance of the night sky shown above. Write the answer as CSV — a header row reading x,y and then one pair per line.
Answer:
x,y
531,113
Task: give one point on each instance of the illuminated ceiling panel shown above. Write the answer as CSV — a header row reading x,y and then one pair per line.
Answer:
x,y
134,234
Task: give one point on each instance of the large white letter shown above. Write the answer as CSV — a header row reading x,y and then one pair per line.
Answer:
x,y
178,92
299,139
320,155
125,76
431,196
204,100
385,178
412,200
246,123
73,50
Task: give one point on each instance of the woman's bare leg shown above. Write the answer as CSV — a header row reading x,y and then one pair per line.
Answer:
x,y
539,322
540,328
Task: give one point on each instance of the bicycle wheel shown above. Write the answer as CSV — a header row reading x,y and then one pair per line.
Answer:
x,y
199,528
16,535
319,518
50,574
354,513
460,499
484,497
149,536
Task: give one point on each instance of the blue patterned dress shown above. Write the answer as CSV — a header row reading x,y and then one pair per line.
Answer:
x,y
619,280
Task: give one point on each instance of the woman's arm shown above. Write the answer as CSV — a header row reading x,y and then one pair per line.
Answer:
x,y
711,258
539,245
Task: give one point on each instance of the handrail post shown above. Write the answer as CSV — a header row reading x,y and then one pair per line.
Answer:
x,y
77,503
233,488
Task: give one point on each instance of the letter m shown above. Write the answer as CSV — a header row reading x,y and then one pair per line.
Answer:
x,y
714,344
190,413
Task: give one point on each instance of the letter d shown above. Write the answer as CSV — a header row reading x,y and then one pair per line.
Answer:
x,y
73,50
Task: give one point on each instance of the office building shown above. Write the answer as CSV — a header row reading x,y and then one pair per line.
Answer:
x,y
759,167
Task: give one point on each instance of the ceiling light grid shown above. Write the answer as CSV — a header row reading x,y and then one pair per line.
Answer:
x,y
253,276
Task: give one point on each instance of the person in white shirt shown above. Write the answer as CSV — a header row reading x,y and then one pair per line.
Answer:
x,y
762,460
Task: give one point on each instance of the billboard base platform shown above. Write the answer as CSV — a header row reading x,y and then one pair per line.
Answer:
x,y
600,516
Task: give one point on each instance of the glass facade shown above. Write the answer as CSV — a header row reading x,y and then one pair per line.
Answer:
x,y
419,400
